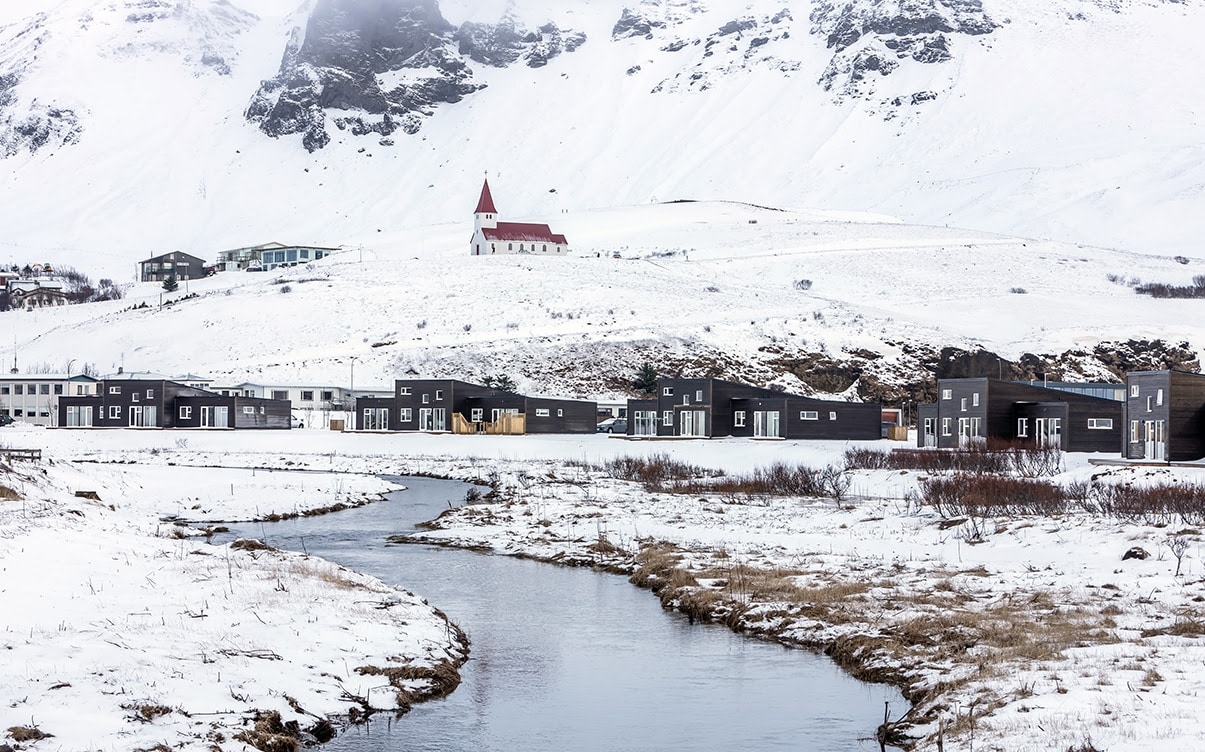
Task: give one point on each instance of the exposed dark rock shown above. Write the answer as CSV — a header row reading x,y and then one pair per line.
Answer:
x,y
1137,552
392,62
1146,355
634,24
735,27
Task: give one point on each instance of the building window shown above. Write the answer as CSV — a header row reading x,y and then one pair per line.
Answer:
x,y
439,394
1100,423
405,415
560,412
809,415
667,418
81,389
832,416
426,399
150,394
328,396
1134,430
946,394
1158,396
945,426
963,404
541,412
1133,390
477,414
667,391
280,394
738,419
685,399
307,395
58,388
699,396
114,412
45,389
134,397
185,412
114,390
975,399
1022,427
1148,403
402,391
18,389
3,390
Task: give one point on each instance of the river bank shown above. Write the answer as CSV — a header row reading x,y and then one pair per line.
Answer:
x,y
125,629
1032,634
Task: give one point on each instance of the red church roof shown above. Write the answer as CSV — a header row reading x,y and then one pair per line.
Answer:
x,y
522,231
485,205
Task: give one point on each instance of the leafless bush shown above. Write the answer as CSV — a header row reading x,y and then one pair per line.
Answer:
x,y
980,457
803,284
1160,504
965,495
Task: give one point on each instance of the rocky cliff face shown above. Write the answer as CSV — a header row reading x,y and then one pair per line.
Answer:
x,y
389,64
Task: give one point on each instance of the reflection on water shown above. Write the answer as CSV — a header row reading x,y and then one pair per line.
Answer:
x,y
570,659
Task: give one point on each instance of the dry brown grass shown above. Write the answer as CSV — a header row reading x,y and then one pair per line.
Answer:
x,y
27,733
8,494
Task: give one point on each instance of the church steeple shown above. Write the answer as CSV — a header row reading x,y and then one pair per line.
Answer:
x,y
485,205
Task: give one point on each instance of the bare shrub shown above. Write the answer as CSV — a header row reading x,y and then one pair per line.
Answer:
x,y
982,457
979,496
1159,504
803,284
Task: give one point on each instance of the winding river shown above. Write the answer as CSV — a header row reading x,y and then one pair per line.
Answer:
x,y
571,659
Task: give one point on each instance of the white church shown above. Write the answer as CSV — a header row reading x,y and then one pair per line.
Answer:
x,y
492,237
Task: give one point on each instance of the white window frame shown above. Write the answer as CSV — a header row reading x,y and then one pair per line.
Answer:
x,y
114,390
560,412
405,415
248,410
439,395
975,399
426,399
945,427
185,412
699,395
738,419
1158,396
832,414
963,404
1149,398
947,394
150,394
542,412
114,412
1133,390
667,418
685,399
402,391
1100,424
1134,431
809,415
667,391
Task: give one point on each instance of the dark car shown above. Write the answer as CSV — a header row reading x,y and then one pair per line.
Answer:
x,y
6,419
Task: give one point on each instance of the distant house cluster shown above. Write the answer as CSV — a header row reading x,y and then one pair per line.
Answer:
x,y
1155,415
32,287
183,266
448,405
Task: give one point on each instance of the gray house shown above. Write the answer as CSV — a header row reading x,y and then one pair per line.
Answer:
x,y
439,405
1165,416
979,409
175,264
703,408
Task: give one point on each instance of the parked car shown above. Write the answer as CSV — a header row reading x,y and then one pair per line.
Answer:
x,y
613,425
298,422
6,419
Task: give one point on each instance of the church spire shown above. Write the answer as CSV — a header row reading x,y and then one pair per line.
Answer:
x,y
485,205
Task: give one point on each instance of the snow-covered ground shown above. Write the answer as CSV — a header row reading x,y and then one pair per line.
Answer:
x,y
123,630
700,288
1071,120
1041,633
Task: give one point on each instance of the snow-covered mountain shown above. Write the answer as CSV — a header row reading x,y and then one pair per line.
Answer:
x,y
129,127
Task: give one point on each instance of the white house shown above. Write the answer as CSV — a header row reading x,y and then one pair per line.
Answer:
x,y
492,237
34,397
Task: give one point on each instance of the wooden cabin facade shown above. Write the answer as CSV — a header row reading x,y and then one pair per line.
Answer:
x,y
980,408
1165,416
158,403
707,408
448,405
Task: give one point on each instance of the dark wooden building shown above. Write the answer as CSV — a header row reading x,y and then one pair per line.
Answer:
x,y
439,405
707,408
175,264
1165,413
159,403
979,408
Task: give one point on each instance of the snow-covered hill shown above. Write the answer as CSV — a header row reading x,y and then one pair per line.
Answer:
x,y
125,130
819,302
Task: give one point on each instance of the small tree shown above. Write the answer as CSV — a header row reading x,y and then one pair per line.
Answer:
x,y
646,379
502,383
170,284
